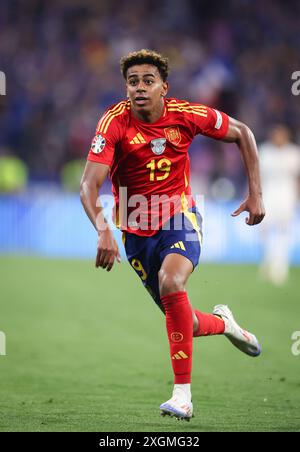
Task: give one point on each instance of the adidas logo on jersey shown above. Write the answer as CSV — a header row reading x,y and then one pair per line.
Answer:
x,y
138,139
178,245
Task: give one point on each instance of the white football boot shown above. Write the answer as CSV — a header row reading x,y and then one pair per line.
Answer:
x,y
243,340
178,406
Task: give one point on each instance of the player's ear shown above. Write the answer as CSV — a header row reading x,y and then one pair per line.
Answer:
x,y
165,89
126,87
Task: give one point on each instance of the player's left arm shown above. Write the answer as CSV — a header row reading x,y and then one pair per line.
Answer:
x,y
240,134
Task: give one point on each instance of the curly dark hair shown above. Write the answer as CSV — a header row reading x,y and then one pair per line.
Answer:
x,y
145,56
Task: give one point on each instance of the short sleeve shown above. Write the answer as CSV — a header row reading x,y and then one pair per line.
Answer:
x,y
209,122
102,149
107,135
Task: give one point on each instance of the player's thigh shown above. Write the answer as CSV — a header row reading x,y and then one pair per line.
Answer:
x,y
142,258
180,249
149,278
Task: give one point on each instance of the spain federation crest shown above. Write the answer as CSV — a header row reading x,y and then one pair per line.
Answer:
x,y
158,145
98,144
173,135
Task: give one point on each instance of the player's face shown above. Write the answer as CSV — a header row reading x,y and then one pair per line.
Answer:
x,y
280,136
145,87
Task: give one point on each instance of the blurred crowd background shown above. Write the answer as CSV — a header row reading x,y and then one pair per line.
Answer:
x,y
61,60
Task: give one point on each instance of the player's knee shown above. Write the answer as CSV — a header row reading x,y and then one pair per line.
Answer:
x,y
170,283
195,323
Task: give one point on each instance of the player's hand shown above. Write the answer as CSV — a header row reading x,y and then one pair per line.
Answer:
x,y
107,250
255,206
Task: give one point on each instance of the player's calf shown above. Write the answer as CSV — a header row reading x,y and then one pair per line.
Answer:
x,y
207,324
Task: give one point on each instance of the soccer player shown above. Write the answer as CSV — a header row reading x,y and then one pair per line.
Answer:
x,y
143,144
280,162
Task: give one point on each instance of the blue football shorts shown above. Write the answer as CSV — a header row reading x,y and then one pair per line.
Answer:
x,y
182,234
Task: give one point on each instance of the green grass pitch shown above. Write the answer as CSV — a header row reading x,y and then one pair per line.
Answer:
x,y
87,351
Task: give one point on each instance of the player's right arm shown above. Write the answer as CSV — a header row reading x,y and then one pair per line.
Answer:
x,y
100,159
92,180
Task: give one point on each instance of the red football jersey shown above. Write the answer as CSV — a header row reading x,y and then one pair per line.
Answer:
x,y
149,163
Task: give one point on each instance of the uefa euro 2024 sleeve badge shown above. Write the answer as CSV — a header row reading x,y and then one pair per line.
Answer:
x,y
158,145
98,144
